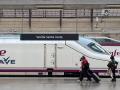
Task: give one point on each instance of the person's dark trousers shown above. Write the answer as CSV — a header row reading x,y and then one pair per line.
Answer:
x,y
114,76
84,73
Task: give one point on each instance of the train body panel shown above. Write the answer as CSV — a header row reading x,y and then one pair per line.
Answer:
x,y
24,55
43,56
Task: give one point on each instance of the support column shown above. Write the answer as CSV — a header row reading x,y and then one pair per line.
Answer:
x,y
91,19
60,19
30,15
76,15
1,13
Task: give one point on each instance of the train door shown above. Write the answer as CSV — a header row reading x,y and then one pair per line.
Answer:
x,y
50,55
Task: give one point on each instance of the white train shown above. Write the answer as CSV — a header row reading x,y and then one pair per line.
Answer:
x,y
50,57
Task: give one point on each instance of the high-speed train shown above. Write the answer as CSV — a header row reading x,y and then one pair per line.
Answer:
x,y
50,57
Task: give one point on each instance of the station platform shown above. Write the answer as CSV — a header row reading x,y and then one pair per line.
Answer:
x,y
56,83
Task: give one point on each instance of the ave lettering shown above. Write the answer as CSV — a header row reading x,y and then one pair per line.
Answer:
x,y
7,61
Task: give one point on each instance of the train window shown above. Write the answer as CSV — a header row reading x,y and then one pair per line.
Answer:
x,y
96,48
91,45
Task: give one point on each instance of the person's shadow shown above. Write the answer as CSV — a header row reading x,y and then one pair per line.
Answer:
x,y
89,84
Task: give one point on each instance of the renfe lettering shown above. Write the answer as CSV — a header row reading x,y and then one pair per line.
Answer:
x,y
115,53
2,52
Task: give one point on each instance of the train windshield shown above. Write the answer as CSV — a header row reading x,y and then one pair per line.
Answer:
x,y
92,45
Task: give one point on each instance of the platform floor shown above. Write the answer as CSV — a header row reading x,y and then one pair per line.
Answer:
x,y
50,83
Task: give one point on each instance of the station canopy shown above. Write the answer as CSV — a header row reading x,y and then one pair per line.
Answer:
x,y
59,4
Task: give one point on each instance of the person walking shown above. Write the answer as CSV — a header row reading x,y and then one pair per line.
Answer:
x,y
84,69
112,65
